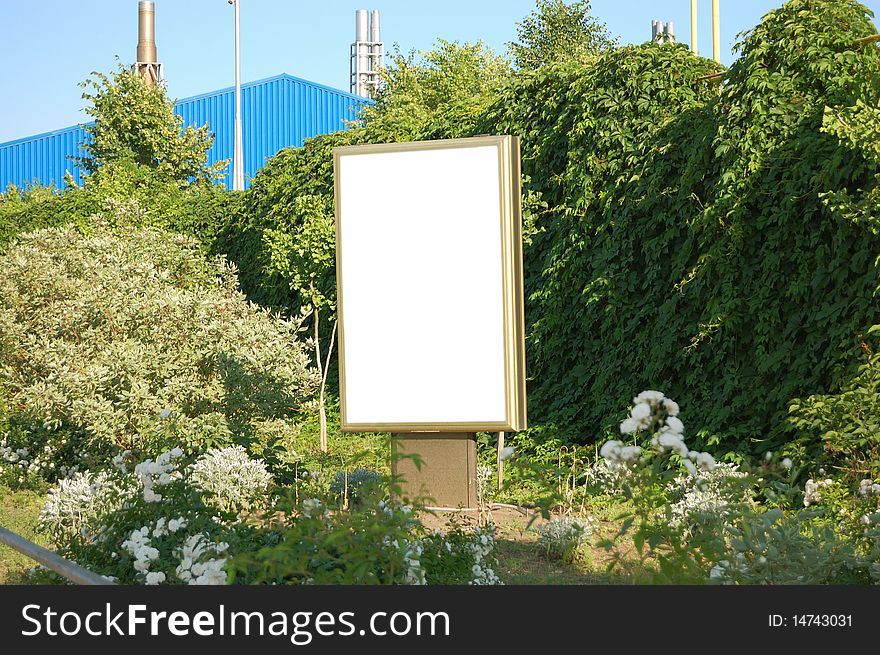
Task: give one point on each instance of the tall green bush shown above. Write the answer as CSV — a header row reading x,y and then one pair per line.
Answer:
x,y
685,236
129,337
717,241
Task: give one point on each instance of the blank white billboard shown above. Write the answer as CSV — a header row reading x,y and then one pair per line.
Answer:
x,y
429,275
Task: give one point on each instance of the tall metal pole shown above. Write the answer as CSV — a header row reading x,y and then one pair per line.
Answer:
x,y
238,155
716,33
694,27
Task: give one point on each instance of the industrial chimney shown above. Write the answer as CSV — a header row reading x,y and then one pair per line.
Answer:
x,y
662,32
367,53
146,64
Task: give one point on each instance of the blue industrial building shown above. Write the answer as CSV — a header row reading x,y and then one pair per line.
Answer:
x,y
277,112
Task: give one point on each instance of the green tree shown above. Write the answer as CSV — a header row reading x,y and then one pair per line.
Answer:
x,y
438,94
302,249
557,31
135,124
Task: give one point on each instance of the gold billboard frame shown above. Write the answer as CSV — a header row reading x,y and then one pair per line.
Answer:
x,y
509,177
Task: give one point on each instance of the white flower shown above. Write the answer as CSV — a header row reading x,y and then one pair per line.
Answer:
x,y
155,577
649,396
176,452
786,463
674,424
608,447
641,411
672,441
160,528
671,407
812,495
506,453
165,413
629,426
704,460
768,455
869,488
616,452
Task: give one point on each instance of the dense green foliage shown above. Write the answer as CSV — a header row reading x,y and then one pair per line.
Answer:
x,y
558,32
438,95
715,242
136,150
135,122
129,338
685,238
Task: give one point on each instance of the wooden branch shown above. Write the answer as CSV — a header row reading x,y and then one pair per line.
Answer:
x,y
865,40
712,77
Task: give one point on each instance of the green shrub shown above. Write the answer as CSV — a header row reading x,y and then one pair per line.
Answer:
x,y
716,524
458,556
130,337
562,537
374,544
716,242
354,485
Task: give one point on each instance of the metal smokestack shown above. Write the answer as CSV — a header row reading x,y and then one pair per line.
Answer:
x,y
146,49
378,59
361,26
374,28
367,53
147,64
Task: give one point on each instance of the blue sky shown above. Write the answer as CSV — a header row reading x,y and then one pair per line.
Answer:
x,y
49,46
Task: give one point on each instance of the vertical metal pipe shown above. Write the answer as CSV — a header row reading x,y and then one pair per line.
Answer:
x,y
374,27
146,63
361,26
146,47
654,28
361,37
716,33
238,163
669,32
376,38
694,27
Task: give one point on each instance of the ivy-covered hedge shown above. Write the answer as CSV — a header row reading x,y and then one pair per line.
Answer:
x,y
716,241
710,242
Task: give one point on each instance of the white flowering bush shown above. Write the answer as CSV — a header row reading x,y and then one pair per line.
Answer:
x,y
30,454
458,555
562,537
375,541
713,496
654,414
695,520
130,338
75,507
231,479
155,522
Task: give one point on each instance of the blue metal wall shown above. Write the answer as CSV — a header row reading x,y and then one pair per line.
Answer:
x,y
277,112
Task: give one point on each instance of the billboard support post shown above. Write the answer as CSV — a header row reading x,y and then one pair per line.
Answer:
x,y
446,477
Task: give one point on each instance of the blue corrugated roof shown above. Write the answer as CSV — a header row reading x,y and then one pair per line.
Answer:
x,y
277,112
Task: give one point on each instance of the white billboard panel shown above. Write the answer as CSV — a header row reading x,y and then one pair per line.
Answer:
x,y
429,281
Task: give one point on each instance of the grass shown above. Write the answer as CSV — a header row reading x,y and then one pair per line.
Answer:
x,y
19,510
